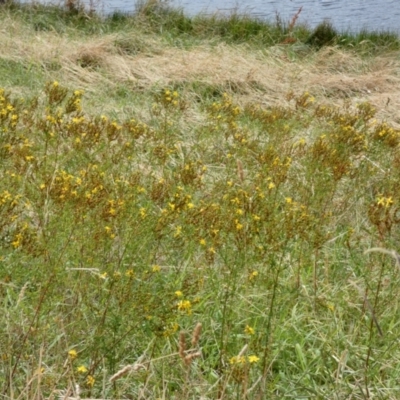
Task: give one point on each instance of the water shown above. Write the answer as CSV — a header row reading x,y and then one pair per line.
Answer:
x,y
345,15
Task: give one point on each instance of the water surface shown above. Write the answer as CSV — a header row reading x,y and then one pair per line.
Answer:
x,y
345,15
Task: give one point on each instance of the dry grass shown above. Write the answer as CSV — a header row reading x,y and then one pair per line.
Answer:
x,y
265,75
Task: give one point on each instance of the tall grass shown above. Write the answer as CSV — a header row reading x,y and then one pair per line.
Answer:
x,y
189,238
119,234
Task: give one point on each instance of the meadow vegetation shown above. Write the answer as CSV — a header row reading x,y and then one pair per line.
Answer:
x,y
196,208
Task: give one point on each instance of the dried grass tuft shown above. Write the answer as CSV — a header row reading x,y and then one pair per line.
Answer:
x,y
128,368
182,346
196,334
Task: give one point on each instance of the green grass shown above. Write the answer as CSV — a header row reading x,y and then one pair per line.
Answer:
x,y
14,73
133,211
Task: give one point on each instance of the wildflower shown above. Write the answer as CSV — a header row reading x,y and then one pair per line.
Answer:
x,y
202,242
90,381
249,330
178,293
301,142
178,231
380,201
17,240
385,201
142,212
72,354
253,359
253,274
389,201
185,305
129,273
171,330
82,369
237,360
156,268
239,226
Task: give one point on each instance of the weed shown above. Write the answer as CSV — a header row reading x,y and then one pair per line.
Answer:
x,y
135,202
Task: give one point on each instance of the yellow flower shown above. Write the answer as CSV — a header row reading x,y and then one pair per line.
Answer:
x,y
185,305
237,360
380,201
253,275
90,381
178,293
389,201
72,354
129,273
17,240
249,330
178,231
202,242
384,201
156,268
239,226
82,369
330,306
142,212
253,359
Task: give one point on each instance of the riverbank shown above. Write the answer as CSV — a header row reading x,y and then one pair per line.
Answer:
x,y
159,47
196,208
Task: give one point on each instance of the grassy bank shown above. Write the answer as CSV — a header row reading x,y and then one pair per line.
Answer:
x,y
196,208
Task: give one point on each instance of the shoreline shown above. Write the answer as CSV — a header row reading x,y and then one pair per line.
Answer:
x,y
75,6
